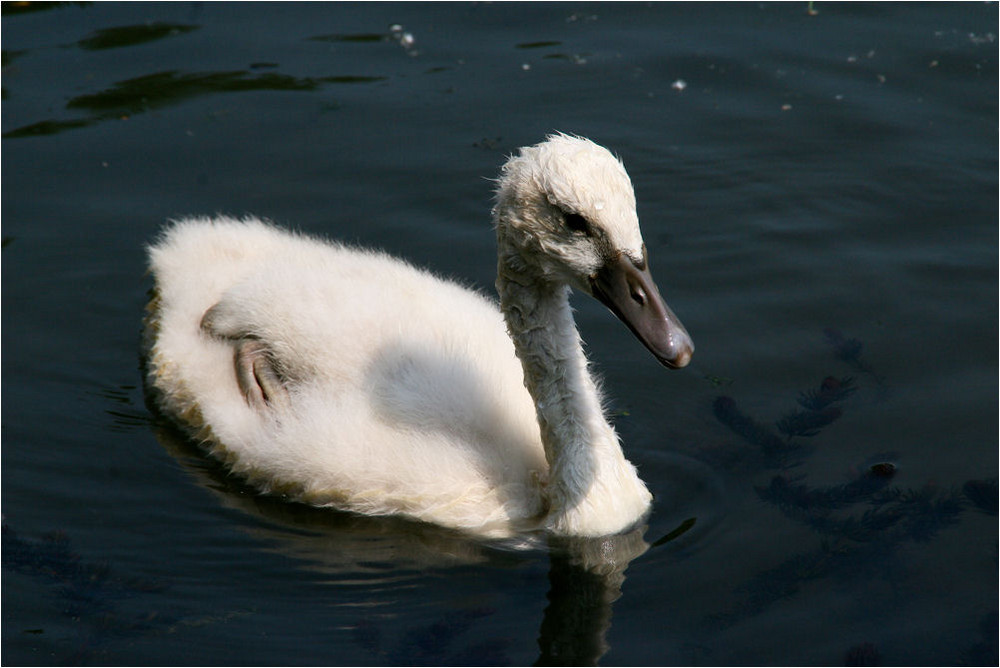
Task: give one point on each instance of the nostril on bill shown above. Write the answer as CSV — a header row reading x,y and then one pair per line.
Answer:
x,y
638,296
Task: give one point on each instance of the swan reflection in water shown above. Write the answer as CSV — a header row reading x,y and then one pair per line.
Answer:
x,y
585,575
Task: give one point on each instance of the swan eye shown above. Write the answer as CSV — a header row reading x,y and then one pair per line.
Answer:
x,y
576,222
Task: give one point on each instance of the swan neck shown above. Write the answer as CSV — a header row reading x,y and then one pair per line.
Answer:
x,y
592,489
540,322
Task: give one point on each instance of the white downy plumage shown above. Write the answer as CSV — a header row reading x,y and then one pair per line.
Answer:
x,y
349,378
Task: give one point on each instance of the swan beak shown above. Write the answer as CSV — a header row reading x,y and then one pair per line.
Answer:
x,y
628,289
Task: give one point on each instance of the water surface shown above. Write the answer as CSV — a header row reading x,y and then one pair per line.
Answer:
x,y
819,198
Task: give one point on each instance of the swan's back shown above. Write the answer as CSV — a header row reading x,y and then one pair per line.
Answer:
x,y
406,395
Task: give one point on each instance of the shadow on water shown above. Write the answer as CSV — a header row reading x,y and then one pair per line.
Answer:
x,y
141,94
152,91
15,8
120,36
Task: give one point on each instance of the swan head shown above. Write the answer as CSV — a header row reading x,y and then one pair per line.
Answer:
x,y
565,214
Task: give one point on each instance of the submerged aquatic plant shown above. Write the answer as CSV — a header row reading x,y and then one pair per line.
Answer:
x,y
92,585
983,494
819,412
807,423
830,390
849,350
86,591
93,595
753,432
818,404
862,522
786,494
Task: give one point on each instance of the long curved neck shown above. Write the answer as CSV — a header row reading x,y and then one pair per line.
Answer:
x,y
592,489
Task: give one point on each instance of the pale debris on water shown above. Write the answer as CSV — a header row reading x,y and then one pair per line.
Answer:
x,y
405,39
680,84
854,58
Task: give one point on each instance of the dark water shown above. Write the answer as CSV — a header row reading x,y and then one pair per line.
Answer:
x,y
820,205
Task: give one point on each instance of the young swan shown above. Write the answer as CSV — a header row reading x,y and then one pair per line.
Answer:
x,y
347,378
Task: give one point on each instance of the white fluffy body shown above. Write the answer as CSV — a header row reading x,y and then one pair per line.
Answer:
x,y
406,394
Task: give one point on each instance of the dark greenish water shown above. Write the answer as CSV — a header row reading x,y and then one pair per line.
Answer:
x,y
820,202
